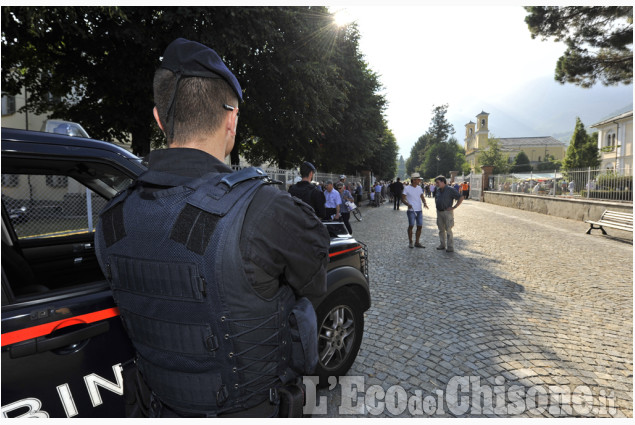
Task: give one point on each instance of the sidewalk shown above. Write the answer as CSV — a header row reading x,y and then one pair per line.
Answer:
x,y
526,300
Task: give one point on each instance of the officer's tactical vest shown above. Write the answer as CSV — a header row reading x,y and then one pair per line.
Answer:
x,y
206,341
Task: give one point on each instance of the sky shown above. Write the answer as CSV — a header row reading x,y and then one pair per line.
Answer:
x,y
473,58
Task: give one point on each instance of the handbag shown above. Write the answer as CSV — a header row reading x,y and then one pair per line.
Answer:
x,y
351,205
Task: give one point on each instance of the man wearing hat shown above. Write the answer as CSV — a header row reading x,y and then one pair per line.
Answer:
x,y
209,268
307,191
343,181
412,197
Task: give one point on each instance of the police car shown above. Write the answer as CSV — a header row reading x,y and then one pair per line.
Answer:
x,y
62,340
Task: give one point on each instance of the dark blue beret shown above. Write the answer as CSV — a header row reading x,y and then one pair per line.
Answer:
x,y
191,59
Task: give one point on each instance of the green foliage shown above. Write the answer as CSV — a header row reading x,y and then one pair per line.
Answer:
x,y
440,131
549,166
521,163
417,153
582,150
599,41
493,156
613,180
451,157
307,91
384,162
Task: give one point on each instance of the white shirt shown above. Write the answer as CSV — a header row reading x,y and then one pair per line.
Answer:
x,y
413,195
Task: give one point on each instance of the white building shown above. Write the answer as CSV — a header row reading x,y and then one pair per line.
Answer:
x,y
615,142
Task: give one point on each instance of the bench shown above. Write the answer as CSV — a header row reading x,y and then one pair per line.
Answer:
x,y
614,219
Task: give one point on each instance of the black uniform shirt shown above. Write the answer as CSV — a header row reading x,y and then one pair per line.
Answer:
x,y
282,241
310,194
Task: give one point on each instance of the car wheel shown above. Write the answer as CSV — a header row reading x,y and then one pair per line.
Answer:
x,y
340,321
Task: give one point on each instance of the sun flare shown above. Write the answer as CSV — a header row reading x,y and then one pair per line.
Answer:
x,y
342,18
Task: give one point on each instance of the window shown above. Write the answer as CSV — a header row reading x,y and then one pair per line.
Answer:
x,y
8,104
538,158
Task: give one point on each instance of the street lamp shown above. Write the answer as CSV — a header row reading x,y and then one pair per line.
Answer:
x,y
438,160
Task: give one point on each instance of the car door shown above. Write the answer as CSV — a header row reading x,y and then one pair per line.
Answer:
x,y
62,340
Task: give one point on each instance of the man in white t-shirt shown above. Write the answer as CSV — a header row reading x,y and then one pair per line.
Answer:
x,y
412,197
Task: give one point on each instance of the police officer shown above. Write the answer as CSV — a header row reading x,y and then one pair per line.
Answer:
x,y
306,191
210,268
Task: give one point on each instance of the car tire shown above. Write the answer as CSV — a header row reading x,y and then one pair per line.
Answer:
x,y
340,320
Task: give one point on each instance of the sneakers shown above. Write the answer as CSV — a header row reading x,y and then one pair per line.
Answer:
x,y
411,245
418,245
440,247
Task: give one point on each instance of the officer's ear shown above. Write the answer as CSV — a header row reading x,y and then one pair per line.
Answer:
x,y
156,117
232,121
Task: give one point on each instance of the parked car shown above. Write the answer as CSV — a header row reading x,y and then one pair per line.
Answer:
x,y
62,340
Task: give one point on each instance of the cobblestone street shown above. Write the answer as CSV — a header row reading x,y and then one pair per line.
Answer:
x,y
526,303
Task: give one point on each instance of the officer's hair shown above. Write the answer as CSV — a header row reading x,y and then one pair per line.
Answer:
x,y
198,104
440,179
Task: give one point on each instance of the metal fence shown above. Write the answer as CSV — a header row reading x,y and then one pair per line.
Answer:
x,y
49,206
290,177
602,184
45,206
476,183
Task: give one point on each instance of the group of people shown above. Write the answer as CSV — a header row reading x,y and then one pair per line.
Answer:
x,y
445,195
334,202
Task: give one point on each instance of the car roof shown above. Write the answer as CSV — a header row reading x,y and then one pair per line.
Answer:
x,y
57,140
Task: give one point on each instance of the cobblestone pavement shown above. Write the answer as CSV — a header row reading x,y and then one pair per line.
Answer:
x,y
527,303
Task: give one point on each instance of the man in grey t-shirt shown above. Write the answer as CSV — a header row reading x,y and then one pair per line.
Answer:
x,y
443,198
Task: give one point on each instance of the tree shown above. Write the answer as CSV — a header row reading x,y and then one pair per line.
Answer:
x,y
401,168
417,153
439,131
440,128
599,41
384,161
521,163
442,158
307,91
582,150
493,156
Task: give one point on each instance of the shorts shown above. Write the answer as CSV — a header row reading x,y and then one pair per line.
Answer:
x,y
415,214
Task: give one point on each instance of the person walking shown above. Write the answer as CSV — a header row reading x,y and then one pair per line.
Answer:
x,y
187,250
345,212
397,189
307,191
444,196
412,197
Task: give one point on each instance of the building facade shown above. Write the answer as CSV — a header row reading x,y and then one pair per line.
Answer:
x,y
538,149
615,142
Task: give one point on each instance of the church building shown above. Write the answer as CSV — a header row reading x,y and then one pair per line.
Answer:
x,y
538,149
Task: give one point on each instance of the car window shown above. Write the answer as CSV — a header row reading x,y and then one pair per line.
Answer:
x,y
46,206
52,219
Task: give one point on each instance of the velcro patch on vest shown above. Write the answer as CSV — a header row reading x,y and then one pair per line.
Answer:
x,y
160,279
194,228
112,225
